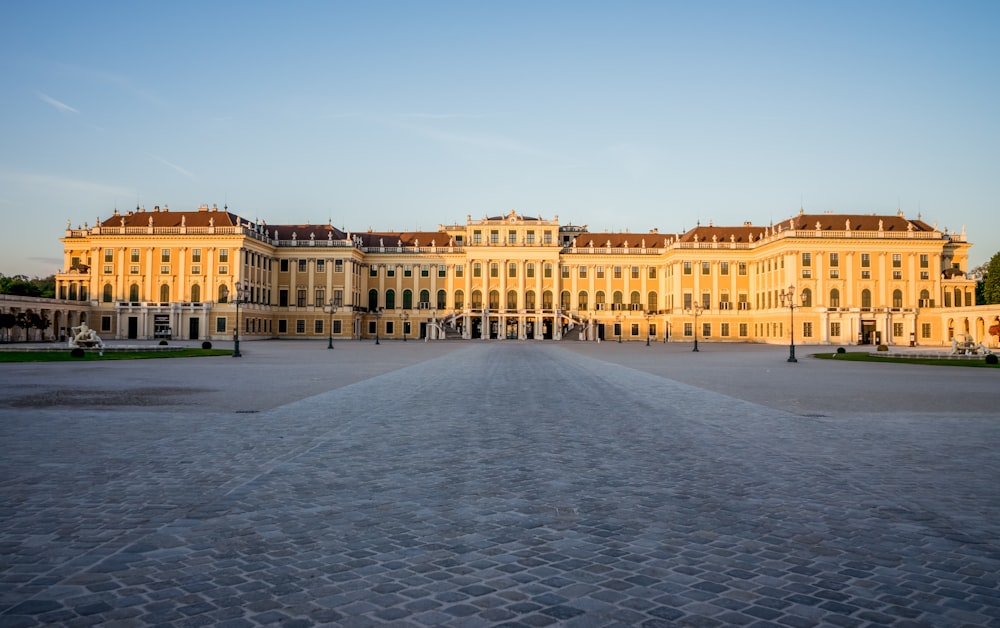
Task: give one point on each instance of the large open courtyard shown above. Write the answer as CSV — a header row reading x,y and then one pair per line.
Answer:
x,y
499,483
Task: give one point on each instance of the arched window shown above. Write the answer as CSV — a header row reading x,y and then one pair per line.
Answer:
x,y
807,298
582,301
925,298
494,300
634,298
407,299
390,299
83,293
547,300
617,297
223,293
897,298
564,300
477,270
599,299
651,301
425,297
529,299
164,293
196,293
133,293
442,299
834,298
72,292
477,299
372,300
511,299
459,299
108,293
958,297
866,298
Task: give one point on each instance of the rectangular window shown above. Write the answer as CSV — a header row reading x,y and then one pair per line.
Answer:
x,y
548,271
897,260
807,329
283,266
687,268
688,300
835,330
133,270
706,268
618,272
897,330
635,329
372,270
834,260
897,274
924,260
494,237
220,324
925,330
300,326
723,268
688,330
337,326
512,269
164,270
109,255
531,237
442,271
925,275
371,328
866,260
390,328
224,255
834,273
866,274
724,330
742,268
425,270
196,255
706,300
652,330
807,273
300,298
706,330
477,237
565,272
652,272
477,270
600,272
318,326
321,266
108,269
635,272
494,269
512,237
282,326
548,237
105,323
338,297
134,255
338,265
744,330
459,270
390,271
223,270
164,255
302,265
408,270
807,260
583,272
196,270
320,297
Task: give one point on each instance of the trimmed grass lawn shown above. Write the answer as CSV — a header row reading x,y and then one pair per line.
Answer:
x,y
93,356
862,356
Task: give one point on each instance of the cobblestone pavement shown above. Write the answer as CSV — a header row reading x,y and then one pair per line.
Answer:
x,y
522,484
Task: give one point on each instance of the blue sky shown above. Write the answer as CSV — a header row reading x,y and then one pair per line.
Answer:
x,y
405,115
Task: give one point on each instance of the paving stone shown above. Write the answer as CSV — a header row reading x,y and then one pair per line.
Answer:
x,y
547,483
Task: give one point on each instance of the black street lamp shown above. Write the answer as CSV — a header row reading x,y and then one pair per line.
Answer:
x,y
378,322
618,322
647,328
695,309
242,293
788,298
333,310
406,318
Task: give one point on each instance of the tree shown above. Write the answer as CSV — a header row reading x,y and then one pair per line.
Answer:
x,y
23,320
19,285
991,281
7,321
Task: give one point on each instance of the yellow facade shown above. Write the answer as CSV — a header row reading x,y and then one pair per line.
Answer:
x,y
855,279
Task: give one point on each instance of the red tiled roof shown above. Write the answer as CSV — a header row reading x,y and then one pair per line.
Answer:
x,y
166,218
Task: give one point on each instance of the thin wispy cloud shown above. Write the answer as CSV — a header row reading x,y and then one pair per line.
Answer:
x,y
171,165
58,104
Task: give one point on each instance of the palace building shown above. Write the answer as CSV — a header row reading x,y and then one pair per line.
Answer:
x,y
826,278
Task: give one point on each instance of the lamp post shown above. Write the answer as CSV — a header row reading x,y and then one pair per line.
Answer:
x,y
378,322
647,328
695,309
406,318
432,326
618,323
333,310
241,297
788,298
